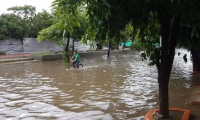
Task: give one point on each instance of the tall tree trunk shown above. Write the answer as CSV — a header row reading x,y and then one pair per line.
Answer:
x,y
169,33
195,60
163,78
109,47
67,46
163,81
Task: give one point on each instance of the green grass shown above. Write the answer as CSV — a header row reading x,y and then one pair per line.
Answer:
x,y
2,53
41,53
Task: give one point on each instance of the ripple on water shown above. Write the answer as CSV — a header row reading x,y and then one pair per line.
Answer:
x,y
13,96
122,88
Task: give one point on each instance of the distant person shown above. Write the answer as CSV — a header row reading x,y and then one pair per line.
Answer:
x,y
76,59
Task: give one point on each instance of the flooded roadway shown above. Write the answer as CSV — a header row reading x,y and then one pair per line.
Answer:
x,y
121,88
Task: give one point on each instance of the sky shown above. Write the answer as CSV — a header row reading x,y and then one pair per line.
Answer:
x,y
39,4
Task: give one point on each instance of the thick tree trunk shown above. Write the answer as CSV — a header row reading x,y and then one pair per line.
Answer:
x,y
163,81
195,60
163,99
169,33
163,78
109,49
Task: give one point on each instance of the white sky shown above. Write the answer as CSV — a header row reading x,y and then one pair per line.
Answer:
x,y
39,4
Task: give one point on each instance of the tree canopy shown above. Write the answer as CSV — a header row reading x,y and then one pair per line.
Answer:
x,y
65,24
11,27
41,20
27,13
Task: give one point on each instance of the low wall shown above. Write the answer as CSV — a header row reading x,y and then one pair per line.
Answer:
x,y
30,45
83,55
47,57
92,54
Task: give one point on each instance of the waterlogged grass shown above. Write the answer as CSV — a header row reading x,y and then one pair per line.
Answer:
x,y
41,53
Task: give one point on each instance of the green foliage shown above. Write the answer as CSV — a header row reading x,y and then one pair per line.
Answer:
x,y
64,56
26,13
25,22
149,51
78,31
127,33
99,46
2,53
11,27
109,20
40,21
65,16
147,40
52,33
4,29
137,46
64,22
188,40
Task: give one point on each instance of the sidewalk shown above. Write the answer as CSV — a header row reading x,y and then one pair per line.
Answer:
x,y
9,56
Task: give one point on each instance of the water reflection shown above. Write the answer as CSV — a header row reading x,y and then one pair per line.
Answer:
x,y
123,87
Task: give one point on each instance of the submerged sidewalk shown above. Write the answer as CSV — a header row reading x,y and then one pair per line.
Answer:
x,y
9,56
15,59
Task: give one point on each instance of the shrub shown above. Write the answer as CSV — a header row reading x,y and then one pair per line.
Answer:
x,y
2,53
64,56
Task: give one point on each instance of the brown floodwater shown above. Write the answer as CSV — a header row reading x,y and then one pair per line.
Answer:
x,y
122,88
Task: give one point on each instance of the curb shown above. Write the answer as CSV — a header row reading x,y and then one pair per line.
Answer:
x,y
14,60
185,116
11,56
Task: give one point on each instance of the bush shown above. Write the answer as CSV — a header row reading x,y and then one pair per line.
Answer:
x,y
137,46
2,53
64,56
99,47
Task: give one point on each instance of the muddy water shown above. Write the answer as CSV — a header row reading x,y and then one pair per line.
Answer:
x,y
122,88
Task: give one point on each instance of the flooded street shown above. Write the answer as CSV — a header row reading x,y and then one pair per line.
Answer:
x,y
122,88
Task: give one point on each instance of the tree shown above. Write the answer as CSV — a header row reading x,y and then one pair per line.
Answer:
x,y
78,31
66,23
52,34
11,27
4,23
40,21
82,19
108,17
27,13
127,33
